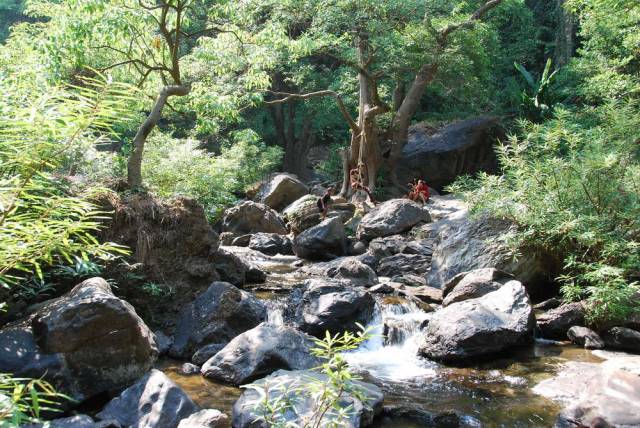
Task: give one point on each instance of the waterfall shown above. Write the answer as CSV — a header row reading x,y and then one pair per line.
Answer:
x,y
392,352
275,310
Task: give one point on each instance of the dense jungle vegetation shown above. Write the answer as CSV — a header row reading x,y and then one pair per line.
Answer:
x,y
204,98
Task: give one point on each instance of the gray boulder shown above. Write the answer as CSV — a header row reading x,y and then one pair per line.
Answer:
x,y
482,326
281,190
205,353
473,284
289,386
163,342
398,244
330,305
325,241
153,401
390,218
251,217
441,156
216,316
586,337
303,213
345,268
206,418
555,323
78,421
230,268
259,352
463,243
404,264
86,342
271,244
622,338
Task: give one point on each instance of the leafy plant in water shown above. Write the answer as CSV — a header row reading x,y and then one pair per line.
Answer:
x,y
277,399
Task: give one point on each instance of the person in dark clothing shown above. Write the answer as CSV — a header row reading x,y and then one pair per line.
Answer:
x,y
324,201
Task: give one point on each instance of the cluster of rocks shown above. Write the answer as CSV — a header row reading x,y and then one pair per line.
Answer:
x,y
89,342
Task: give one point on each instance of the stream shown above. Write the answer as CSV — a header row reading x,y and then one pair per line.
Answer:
x,y
493,393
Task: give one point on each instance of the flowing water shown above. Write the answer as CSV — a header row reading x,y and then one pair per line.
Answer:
x,y
495,393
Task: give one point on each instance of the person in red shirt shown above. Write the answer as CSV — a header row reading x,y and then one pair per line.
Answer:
x,y
419,192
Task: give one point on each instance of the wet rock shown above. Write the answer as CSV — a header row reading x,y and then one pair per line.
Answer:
x,y
287,383
426,294
482,326
411,280
271,244
383,288
473,284
583,336
403,264
397,244
216,316
463,243
230,267
251,217
555,323
163,342
255,275
325,241
206,418
86,342
602,395
441,156
153,401
188,369
391,217
622,338
281,190
78,421
259,352
356,248
551,303
205,353
330,305
345,268
240,241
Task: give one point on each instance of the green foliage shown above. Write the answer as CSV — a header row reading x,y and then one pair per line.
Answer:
x,y
571,184
331,167
41,222
536,104
154,289
23,401
180,167
276,399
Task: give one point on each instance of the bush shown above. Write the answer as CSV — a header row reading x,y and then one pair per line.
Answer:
x,y
572,184
180,167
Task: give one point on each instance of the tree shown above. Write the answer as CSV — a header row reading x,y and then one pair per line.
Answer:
x,y
394,55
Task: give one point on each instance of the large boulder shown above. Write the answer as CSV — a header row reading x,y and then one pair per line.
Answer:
x,y
596,395
404,264
216,316
87,342
622,338
324,241
398,244
345,268
461,148
391,217
259,352
303,213
470,285
231,268
464,243
251,217
479,327
281,190
271,244
555,323
320,305
153,401
294,387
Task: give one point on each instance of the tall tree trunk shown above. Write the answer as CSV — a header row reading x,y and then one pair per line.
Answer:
x,y
402,118
565,35
134,164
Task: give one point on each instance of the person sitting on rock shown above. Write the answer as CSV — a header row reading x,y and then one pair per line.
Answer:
x,y
324,201
419,192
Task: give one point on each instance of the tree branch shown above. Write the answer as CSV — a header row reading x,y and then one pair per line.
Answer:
x,y
326,93
477,15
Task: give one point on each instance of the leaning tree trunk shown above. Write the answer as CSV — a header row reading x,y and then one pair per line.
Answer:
x,y
402,118
134,164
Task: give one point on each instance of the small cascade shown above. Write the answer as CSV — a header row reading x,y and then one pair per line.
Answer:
x,y
392,352
275,311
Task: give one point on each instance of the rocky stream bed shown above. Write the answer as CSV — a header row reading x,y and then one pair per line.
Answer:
x,y
458,340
